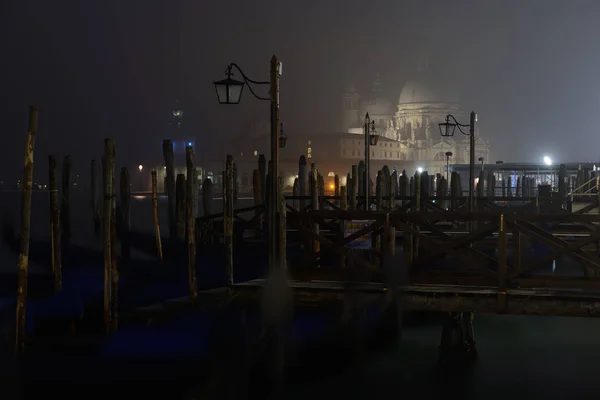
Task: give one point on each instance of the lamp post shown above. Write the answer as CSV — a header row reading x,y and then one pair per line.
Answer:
x,y
447,130
481,160
229,91
370,140
448,155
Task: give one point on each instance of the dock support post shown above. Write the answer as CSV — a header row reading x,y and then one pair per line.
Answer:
x,y
55,224
159,253
191,222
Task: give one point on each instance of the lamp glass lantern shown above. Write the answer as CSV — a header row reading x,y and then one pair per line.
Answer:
x,y
282,138
447,128
373,136
229,90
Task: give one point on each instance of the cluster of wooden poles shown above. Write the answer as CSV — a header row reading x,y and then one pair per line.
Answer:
x,y
105,223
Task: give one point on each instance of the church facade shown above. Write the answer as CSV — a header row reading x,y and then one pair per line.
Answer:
x,y
408,129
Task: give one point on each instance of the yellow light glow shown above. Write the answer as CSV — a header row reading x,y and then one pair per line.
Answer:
x,y
332,186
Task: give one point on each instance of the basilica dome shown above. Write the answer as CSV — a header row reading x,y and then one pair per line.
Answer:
x,y
421,91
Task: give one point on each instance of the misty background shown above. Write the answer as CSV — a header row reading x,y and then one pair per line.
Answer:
x,y
114,68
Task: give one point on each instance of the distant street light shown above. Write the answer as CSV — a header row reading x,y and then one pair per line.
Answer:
x,y
447,130
229,91
448,155
547,160
420,170
481,160
140,167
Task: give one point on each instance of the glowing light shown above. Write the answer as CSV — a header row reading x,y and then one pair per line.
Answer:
x,y
332,186
419,170
547,160
140,167
189,143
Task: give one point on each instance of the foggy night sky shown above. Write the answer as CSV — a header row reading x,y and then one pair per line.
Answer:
x,y
114,68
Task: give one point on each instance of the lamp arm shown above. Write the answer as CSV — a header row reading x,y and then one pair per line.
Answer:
x,y
249,81
458,124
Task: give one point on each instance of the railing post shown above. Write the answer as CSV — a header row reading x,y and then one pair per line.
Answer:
x,y
343,207
502,266
415,238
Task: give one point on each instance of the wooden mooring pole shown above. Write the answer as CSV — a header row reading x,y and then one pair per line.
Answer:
x,y
167,148
191,222
180,202
107,173
228,217
65,206
114,256
314,196
159,252
23,265
55,238
343,207
282,226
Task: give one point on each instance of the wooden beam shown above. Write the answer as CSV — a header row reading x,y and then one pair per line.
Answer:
x,y
558,245
439,249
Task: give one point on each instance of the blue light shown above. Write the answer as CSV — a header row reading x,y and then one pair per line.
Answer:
x,y
189,143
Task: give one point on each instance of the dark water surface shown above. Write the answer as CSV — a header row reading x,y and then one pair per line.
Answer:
x,y
519,357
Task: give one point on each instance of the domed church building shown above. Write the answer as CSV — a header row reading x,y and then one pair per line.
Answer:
x,y
409,129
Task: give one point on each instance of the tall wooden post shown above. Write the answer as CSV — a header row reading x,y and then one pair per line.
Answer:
x,y
114,257
282,226
55,224
228,217
302,182
125,191
262,169
256,190
167,148
235,184
295,193
343,207
180,206
25,231
191,222
314,193
502,257
155,213
417,227
336,188
354,188
108,167
207,196
65,209
94,197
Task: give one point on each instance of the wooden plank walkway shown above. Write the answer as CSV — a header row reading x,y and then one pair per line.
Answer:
x,y
454,298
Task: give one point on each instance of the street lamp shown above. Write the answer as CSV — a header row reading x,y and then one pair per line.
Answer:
x,y
547,160
371,139
447,130
140,167
229,91
481,159
448,155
